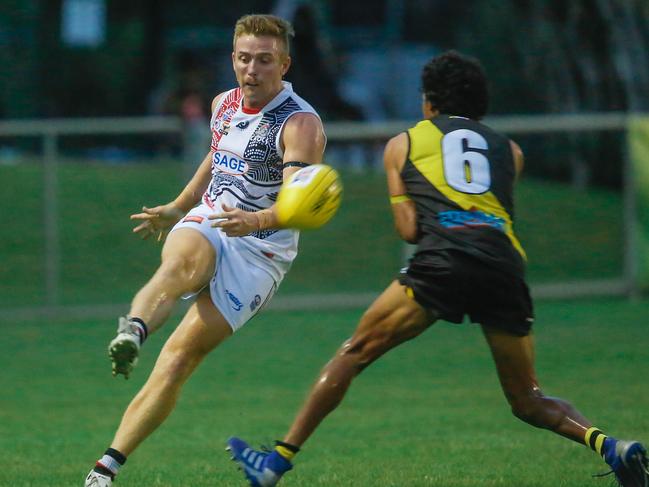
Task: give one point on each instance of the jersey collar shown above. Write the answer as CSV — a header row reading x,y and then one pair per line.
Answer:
x,y
288,88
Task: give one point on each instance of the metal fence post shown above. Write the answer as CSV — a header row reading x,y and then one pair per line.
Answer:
x,y
630,201
51,216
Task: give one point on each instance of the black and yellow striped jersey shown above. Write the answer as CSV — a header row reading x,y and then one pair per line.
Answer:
x,y
460,175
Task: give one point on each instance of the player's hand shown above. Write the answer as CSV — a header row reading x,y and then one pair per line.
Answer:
x,y
235,222
157,221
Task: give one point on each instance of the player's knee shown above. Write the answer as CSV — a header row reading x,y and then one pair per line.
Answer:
x,y
349,348
179,269
364,349
528,408
178,366
349,361
176,266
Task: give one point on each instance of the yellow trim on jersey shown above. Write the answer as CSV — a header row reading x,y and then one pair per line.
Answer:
x,y
426,155
399,199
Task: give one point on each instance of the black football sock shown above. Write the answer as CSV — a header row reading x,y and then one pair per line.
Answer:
x,y
110,463
142,329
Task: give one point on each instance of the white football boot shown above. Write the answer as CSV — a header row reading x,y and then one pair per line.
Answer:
x,y
125,347
95,479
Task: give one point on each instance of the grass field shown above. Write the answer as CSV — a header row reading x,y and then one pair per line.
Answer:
x,y
428,414
568,235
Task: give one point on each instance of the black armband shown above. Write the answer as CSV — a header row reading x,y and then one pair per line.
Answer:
x,y
296,164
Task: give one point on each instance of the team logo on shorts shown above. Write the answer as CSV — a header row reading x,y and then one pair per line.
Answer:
x,y
255,302
234,301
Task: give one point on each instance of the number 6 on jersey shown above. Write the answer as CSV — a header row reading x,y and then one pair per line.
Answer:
x,y
465,169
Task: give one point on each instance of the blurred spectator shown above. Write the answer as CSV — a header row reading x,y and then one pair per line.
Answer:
x,y
310,73
189,99
189,80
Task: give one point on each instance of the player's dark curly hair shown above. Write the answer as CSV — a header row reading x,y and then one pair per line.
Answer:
x,y
456,84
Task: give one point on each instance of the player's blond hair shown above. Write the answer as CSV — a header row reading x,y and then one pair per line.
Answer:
x,y
264,25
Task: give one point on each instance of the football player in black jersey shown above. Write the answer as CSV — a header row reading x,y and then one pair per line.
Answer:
x,y
450,180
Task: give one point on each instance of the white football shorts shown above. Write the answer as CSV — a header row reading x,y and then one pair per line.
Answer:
x,y
240,287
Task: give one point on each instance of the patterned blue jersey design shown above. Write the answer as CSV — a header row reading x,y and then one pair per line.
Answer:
x,y
247,167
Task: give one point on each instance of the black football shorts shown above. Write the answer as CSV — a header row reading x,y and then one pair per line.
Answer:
x,y
453,284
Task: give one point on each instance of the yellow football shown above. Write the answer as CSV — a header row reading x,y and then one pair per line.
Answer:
x,y
309,198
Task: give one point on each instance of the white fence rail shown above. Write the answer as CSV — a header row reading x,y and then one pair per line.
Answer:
x,y
50,131
517,124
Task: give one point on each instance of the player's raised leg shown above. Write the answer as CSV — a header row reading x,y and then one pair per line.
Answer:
x,y
514,359
187,264
391,320
200,331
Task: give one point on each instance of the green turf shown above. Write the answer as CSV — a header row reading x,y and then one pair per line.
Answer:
x,y
567,234
428,414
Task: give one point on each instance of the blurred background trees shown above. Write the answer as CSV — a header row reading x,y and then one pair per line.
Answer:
x,y
543,56
355,60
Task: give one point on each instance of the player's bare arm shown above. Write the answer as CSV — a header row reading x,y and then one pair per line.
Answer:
x,y
519,158
158,220
403,208
302,141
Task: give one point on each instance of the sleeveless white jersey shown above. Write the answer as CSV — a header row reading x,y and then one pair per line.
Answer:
x,y
247,168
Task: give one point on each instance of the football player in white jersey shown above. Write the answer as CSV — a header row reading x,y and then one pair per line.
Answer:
x,y
224,246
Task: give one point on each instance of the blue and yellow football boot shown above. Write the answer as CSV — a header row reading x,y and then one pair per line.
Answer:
x,y
628,461
262,468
